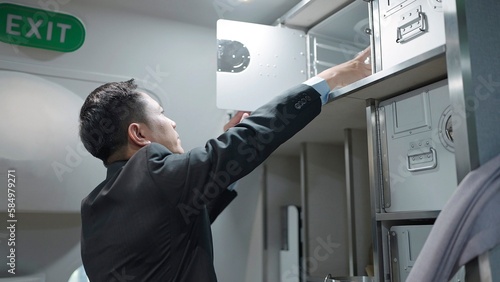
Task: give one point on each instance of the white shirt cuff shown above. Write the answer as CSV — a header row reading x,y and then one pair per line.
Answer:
x,y
320,85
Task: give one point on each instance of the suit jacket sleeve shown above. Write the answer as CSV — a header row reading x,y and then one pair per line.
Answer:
x,y
194,179
220,203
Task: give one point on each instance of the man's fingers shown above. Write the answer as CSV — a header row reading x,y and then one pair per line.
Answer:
x,y
244,115
364,54
237,118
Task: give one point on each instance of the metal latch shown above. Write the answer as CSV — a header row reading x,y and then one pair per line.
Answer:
x,y
421,156
393,255
411,25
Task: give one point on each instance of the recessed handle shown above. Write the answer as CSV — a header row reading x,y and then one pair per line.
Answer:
x,y
430,166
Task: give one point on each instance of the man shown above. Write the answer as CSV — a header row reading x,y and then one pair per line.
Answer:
x,y
150,219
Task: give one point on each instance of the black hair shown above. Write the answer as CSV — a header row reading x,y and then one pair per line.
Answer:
x,y
106,114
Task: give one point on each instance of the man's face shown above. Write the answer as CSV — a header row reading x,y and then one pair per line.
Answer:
x,y
160,129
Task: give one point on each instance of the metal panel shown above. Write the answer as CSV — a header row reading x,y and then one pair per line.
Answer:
x,y
351,222
290,244
420,165
407,28
305,211
472,42
256,63
392,239
406,242
374,165
385,193
358,201
473,76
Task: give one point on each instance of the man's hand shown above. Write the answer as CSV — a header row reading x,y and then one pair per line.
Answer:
x,y
237,118
348,72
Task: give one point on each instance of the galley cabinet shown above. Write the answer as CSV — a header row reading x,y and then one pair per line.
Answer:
x,y
426,68
424,139
413,148
413,169
257,62
416,141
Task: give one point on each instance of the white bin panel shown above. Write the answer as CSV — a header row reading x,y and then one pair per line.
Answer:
x,y
407,29
418,153
256,63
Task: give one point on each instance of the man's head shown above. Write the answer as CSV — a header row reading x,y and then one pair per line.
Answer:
x,y
116,120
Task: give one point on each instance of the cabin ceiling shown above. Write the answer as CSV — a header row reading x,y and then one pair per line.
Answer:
x,y
207,12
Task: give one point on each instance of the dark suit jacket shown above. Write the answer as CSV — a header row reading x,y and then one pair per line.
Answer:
x,y
150,219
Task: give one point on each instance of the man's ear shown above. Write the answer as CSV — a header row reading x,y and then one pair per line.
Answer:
x,y
136,136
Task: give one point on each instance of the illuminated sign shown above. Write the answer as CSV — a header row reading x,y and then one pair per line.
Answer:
x,y
26,26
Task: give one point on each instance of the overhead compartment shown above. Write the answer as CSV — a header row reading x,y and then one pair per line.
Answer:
x,y
257,62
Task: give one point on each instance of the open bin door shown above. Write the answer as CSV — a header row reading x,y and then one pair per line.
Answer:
x,y
256,63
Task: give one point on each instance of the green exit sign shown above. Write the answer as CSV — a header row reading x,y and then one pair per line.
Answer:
x,y
26,26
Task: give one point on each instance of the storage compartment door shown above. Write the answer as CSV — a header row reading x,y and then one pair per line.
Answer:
x,y
417,148
408,28
405,243
256,63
